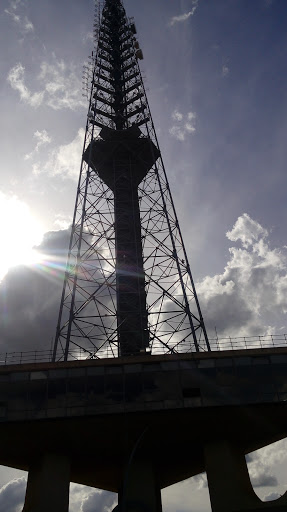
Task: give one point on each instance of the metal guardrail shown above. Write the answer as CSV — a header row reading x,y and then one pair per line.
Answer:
x,y
248,342
216,344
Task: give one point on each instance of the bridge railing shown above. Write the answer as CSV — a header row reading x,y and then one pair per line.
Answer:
x,y
248,342
217,344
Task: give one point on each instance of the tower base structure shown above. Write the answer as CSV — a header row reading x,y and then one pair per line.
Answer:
x,y
138,424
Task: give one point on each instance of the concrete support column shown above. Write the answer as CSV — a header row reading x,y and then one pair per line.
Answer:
x,y
48,484
140,492
229,484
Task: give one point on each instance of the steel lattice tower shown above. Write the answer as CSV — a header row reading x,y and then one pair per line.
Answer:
x,y
128,287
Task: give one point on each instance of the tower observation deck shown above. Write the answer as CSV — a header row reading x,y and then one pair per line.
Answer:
x,y
128,287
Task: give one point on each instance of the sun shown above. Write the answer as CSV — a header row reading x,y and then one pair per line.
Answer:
x,y
20,233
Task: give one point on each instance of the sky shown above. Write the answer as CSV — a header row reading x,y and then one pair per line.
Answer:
x,y
215,74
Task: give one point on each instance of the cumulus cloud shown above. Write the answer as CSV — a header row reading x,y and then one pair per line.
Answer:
x,y
12,495
86,499
64,160
247,231
99,500
249,296
183,17
185,124
59,82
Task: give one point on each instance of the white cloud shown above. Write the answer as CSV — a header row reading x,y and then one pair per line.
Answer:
x,y
59,81
62,85
247,231
87,499
99,500
189,127
63,160
22,21
177,132
14,4
17,82
185,124
185,16
42,138
82,498
176,115
62,221
28,25
191,116
249,297
14,16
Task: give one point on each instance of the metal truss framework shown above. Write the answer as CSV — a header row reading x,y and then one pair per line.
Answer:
x,y
89,317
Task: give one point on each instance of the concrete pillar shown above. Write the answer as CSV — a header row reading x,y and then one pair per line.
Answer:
x,y
48,484
140,492
230,488
229,484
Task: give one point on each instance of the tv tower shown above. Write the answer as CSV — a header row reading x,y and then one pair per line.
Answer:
x,y
128,287
134,400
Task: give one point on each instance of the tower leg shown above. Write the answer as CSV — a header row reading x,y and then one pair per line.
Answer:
x,y
48,485
140,492
229,484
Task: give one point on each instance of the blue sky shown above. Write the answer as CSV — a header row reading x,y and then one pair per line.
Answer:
x,y
215,73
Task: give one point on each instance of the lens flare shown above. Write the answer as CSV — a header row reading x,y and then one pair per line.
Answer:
x,y
20,233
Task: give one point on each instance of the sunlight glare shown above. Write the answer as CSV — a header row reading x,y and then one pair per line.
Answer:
x,y
20,232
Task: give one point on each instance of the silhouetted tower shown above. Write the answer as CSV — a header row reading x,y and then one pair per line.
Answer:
x,y
128,288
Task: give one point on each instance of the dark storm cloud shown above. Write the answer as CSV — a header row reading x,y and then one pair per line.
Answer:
x,y
30,298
